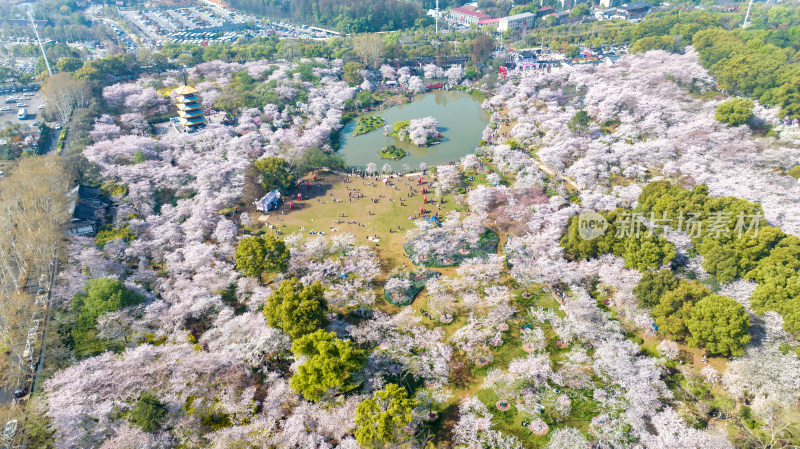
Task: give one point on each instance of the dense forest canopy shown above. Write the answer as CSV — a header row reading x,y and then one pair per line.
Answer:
x,y
351,16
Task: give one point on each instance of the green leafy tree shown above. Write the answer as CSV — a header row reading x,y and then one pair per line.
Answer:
x,y
788,96
382,420
365,98
653,285
314,159
718,324
580,10
647,252
401,125
572,52
275,173
69,64
100,295
329,365
674,307
530,7
103,295
667,43
295,309
148,413
255,255
351,73
471,73
735,112
577,247
579,121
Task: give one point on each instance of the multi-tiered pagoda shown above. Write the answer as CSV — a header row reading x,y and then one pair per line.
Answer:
x,y
190,112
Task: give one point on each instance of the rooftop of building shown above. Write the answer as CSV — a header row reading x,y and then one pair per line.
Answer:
x,y
470,11
636,5
522,15
184,90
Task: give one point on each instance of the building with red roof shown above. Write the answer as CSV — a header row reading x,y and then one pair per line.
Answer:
x,y
467,15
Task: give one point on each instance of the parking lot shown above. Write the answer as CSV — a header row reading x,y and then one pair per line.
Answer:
x,y
10,104
22,64
206,24
203,21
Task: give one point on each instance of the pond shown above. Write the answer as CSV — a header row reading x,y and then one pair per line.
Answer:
x,y
461,122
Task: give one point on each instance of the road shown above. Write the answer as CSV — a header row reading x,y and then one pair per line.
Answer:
x,y
91,14
31,289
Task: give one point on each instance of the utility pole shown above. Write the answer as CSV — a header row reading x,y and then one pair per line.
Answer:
x,y
41,47
747,16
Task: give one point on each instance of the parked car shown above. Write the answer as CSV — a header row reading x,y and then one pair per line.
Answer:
x,y
58,127
5,109
41,106
22,105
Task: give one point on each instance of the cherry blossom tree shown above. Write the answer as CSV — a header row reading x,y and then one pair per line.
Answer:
x,y
566,438
448,177
388,72
416,85
668,349
454,74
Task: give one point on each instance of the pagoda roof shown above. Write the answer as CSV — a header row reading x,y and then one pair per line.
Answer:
x,y
192,120
192,113
189,105
184,90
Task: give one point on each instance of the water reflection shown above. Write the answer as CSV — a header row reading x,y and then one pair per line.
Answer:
x,y
461,121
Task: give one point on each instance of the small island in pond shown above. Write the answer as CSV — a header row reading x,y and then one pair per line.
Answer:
x,y
367,124
392,152
421,132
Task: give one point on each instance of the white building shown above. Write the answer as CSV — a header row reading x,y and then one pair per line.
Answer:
x,y
467,15
517,21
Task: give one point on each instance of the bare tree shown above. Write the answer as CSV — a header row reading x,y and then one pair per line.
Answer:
x,y
33,213
370,48
63,94
16,318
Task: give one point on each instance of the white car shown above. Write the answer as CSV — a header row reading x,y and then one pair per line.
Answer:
x,y
41,106
5,109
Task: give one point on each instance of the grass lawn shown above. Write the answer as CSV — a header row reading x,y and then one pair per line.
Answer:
x,y
318,212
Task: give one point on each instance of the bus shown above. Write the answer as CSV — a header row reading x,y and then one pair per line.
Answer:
x,y
22,114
